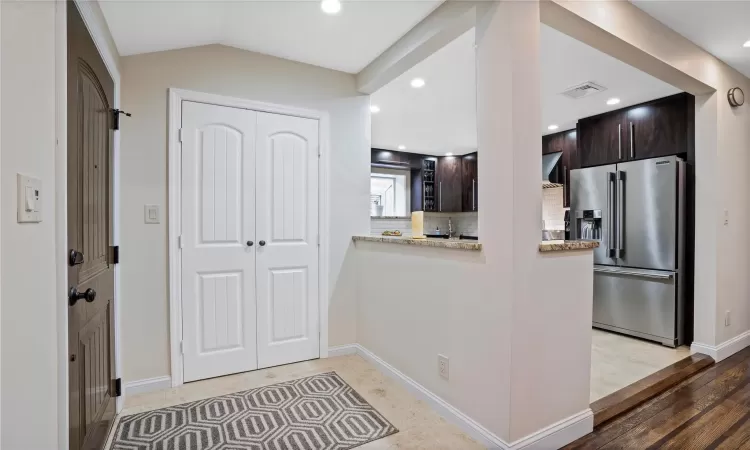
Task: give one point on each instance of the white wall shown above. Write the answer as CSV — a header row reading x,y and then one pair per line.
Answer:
x,y
415,303
226,71
28,313
722,142
502,314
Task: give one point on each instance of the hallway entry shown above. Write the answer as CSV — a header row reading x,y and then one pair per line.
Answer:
x,y
249,240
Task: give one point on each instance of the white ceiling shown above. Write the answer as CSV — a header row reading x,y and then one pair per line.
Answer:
x,y
296,30
441,117
720,27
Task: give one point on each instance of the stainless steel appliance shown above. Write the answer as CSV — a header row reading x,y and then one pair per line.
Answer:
x,y
636,210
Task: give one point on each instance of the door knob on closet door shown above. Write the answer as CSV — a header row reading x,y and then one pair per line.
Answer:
x,y
249,243
262,243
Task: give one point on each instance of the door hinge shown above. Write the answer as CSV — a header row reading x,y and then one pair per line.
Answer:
x,y
179,241
179,134
118,387
116,117
318,240
116,254
182,347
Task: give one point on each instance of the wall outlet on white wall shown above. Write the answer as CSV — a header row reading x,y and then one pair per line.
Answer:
x,y
443,366
728,318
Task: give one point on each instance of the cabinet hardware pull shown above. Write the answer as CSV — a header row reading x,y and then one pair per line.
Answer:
x,y
632,131
474,194
440,193
619,141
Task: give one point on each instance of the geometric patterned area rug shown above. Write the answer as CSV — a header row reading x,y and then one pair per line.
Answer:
x,y
317,412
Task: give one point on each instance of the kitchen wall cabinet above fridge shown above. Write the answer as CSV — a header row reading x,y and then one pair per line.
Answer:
x,y
438,183
662,127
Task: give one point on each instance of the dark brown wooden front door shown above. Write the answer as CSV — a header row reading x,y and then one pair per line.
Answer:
x,y
90,318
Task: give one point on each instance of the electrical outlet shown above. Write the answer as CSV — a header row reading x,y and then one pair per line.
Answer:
x,y
443,366
728,318
726,217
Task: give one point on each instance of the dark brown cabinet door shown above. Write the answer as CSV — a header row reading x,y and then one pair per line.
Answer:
x,y
602,139
392,158
658,128
552,143
91,364
449,184
470,183
568,161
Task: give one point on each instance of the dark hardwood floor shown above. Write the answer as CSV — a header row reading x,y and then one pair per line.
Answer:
x,y
710,410
630,396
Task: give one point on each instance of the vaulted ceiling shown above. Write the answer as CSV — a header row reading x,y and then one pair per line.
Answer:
x,y
296,30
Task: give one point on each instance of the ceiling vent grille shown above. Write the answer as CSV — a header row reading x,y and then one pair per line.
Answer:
x,y
583,90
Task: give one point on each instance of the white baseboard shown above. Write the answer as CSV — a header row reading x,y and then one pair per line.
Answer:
x,y
723,350
148,385
553,436
342,350
558,434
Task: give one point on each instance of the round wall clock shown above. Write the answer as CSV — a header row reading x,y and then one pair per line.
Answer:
x,y
736,96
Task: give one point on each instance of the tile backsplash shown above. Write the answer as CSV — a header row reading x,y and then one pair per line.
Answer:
x,y
553,211
464,223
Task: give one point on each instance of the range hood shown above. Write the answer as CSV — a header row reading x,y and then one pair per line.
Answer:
x,y
548,163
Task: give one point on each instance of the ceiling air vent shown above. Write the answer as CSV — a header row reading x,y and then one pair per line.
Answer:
x,y
583,90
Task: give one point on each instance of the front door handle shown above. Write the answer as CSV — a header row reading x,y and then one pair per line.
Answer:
x,y
73,295
262,243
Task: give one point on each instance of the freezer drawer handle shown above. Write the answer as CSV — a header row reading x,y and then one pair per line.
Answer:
x,y
658,276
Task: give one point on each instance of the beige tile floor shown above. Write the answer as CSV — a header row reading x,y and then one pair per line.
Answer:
x,y
419,426
617,361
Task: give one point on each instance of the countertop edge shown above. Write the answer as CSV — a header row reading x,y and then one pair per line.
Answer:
x,y
565,246
435,243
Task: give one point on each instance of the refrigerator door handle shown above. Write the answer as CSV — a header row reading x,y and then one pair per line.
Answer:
x,y
611,215
658,276
620,213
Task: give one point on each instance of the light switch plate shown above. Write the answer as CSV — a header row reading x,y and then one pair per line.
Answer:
x,y
29,199
151,214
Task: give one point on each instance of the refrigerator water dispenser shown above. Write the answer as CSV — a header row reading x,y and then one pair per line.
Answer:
x,y
589,224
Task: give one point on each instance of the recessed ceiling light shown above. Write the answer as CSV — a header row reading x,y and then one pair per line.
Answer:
x,y
449,154
417,83
746,44
613,101
374,109
330,6
402,147
553,127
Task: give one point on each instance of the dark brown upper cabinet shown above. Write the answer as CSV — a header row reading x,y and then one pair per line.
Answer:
x,y
658,128
552,143
601,139
565,142
449,184
393,158
470,186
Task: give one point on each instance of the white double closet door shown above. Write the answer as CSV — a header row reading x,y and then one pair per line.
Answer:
x,y
249,240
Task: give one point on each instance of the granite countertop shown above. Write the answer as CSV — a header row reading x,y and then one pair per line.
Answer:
x,y
391,217
564,246
456,244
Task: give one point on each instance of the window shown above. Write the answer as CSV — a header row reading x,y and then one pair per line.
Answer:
x,y
389,192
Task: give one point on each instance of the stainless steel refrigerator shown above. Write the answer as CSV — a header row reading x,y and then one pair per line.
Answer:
x,y
636,210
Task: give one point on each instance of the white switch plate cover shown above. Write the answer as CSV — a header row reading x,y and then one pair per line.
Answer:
x,y
151,214
29,199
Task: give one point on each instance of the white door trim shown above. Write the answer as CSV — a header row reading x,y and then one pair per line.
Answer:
x,y
176,97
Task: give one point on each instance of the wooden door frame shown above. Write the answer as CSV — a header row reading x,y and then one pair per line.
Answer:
x,y
176,97
97,27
